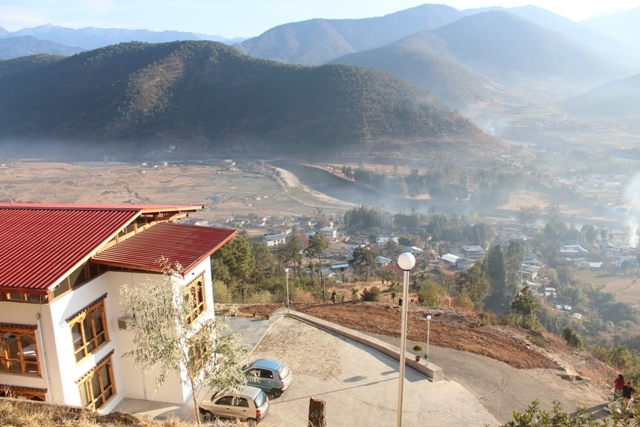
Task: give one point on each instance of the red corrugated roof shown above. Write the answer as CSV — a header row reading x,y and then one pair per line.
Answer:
x,y
40,243
185,244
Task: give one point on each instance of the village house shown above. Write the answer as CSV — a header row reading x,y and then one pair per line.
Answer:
x,y
329,233
275,239
475,253
62,339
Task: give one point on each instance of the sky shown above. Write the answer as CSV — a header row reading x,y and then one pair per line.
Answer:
x,y
246,18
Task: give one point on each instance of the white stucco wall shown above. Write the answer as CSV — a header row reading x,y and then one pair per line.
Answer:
x,y
58,352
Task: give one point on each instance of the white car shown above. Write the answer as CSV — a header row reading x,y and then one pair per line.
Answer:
x,y
248,404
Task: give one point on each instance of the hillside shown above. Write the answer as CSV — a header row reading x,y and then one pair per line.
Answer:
x,y
318,41
622,24
607,46
423,60
620,98
93,38
207,94
509,48
15,47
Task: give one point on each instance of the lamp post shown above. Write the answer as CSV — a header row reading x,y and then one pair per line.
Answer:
x,y
286,275
428,332
406,261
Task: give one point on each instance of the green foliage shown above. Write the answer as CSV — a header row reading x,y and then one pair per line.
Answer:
x,y
475,284
429,292
260,297
536,417
525,306
364,260
234,262
537,341
572,337
417,347
529,214
221,294
362,218
355,295
372,294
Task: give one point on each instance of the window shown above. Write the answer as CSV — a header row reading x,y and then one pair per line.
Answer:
x,y
37,394
226,401
89,330
97,386
18,350
242,402
196,292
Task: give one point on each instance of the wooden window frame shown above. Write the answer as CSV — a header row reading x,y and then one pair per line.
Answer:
x,y
198,295
5,361
85,385
38,394
78,319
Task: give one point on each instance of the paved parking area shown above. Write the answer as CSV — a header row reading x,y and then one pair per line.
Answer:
x,y
359,385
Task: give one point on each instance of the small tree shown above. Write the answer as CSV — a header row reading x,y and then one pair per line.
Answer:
x,y
572,337
167,337
318,244
525,306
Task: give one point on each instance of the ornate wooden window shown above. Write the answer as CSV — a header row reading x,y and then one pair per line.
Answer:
x,y
18,349
196,290
89,329
38,394
97,387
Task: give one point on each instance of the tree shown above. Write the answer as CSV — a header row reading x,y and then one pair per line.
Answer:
x,y
572,337
317,245
475,283
497,274
289,252
528,214
525,305
166,337
364,260
387,274
234,262
513,263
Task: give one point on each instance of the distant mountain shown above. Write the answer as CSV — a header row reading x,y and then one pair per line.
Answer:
x,y
210,96
318,41
3,32
623,24
620,98
93,38
508,47
424,61
15,47
609,47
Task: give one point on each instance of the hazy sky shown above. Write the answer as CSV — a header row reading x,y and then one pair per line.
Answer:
x,y
244,18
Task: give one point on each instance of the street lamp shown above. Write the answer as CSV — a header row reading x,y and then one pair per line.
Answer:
x,y
428,331
286,275
406,261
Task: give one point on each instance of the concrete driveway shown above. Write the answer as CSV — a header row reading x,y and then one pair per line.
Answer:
x,y
359,385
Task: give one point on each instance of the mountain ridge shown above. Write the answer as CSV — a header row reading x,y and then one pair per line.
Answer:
x,y
289,42
208,92
14,47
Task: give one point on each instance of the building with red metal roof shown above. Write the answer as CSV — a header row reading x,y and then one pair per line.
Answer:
x,y
61,337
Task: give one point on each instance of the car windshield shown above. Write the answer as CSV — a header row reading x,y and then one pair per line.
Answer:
x,y
260,399
284,371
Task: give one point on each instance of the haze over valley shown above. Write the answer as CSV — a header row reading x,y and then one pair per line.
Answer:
x,y
498,144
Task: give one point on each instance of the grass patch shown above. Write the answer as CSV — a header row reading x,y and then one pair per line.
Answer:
x,y
536,341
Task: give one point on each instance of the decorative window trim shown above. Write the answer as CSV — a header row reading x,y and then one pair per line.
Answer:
x,y
18,331
85,381
199,298
78,319
24,392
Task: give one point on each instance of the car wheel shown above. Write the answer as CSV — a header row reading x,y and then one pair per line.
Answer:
x,y
208,416
251,422
276,392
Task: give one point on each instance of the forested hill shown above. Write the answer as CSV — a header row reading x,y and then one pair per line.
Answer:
x,y
210,94
318,41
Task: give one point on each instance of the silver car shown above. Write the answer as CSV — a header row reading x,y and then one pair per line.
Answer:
x,y
248,404
272,376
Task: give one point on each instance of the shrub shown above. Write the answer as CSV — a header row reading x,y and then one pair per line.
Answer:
x,y
262,297
537,341
372,294
221,294
417,347
355,295
572,337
